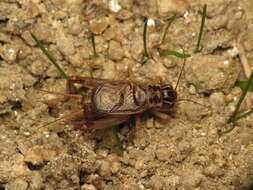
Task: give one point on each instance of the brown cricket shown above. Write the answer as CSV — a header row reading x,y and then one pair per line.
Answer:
x,y
107,103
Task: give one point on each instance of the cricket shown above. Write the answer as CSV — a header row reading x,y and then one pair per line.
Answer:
x,y
107,103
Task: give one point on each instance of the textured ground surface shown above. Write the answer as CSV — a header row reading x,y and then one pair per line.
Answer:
x,y
183,152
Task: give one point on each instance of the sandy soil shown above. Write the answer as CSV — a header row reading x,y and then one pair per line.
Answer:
x,y
182,152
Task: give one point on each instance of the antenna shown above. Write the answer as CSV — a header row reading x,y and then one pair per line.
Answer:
x,y
188,100
70,115
179,77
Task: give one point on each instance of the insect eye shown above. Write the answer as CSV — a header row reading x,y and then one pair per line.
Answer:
x,y
169,95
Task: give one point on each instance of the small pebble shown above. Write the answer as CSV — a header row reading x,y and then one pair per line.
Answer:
x,y
192,178
246,138
218,22
124,14
88,187
18,184
193,111
36,180
8,53
114,6
213,171
105,168
168,62
215,7
192,89
38,67
217,99
172,180
75,26
139,164
150,122
115,167
37,155
92,177
109,70
247,40
98,27
163,153
76,60
157,182
115,51
65,44
130,186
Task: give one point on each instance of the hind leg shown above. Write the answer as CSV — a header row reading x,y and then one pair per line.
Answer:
x,y
86,82
101,123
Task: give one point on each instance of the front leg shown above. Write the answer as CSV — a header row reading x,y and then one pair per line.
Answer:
x,y
161,115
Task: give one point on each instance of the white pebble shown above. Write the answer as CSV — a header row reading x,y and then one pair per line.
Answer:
x,y
226,62
114,5
151,22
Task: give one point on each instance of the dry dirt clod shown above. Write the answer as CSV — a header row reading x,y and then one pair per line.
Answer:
x,y
166,7
38,154
213,171
217,7
105,168
217,99
212,72
98,26
116,52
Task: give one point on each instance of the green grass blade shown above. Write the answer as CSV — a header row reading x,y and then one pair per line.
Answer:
x,y
243,115
92,38
145,56
143,60
119,147
233,118
49,56
167,27
53,61
201,28
220,132
244,92
145,38
174,53
243,84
